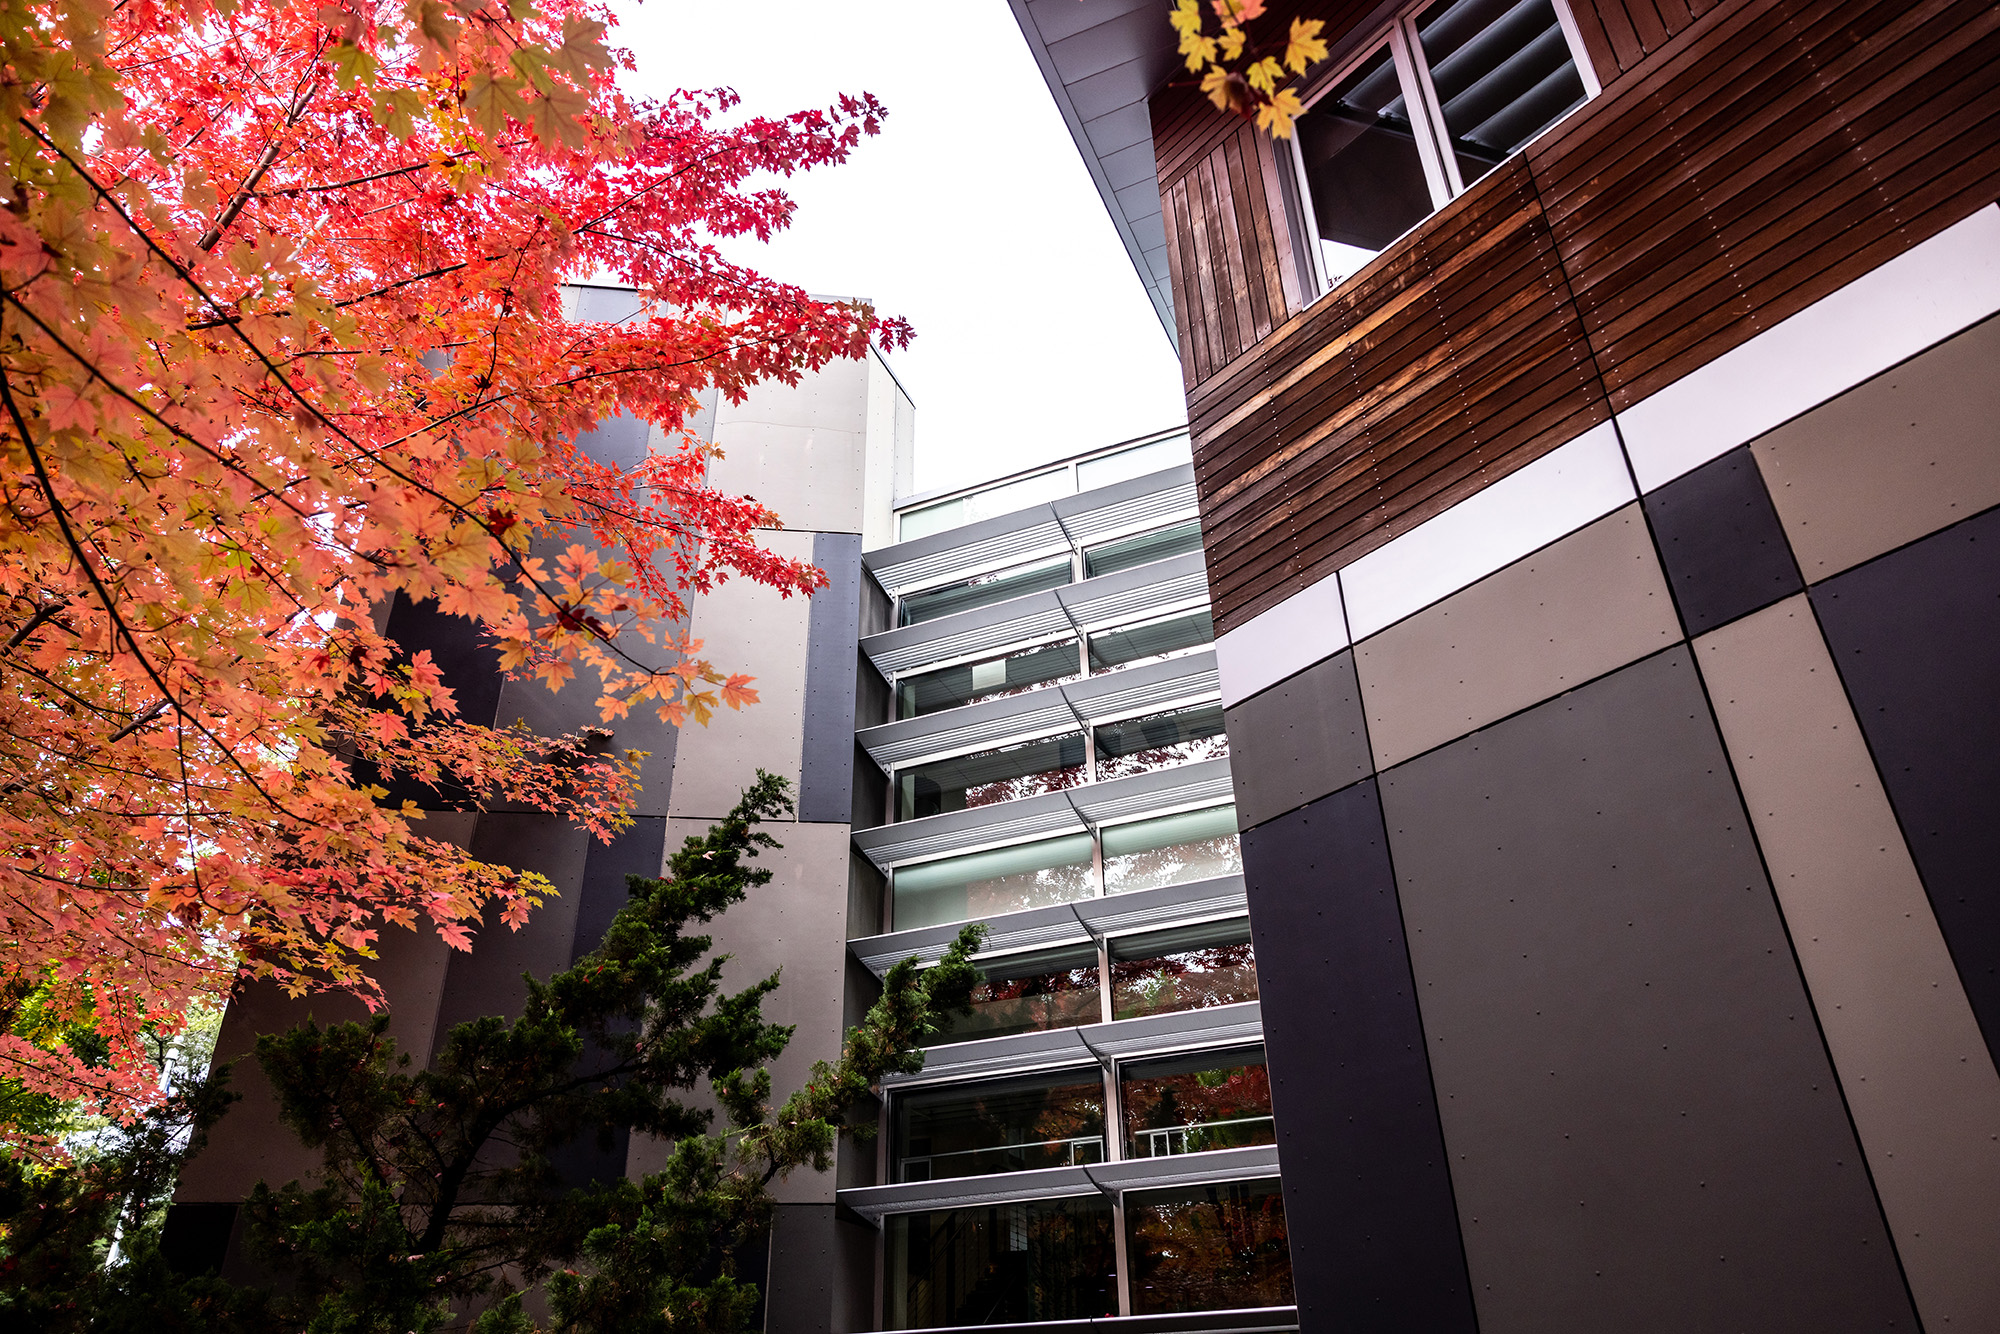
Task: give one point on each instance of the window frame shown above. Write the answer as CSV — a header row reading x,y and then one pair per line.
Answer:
x,y
1413,75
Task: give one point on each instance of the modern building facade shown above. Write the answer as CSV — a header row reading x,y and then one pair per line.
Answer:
x,y
1594,429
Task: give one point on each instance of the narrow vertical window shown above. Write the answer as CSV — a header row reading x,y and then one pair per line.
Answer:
x,y
1363,169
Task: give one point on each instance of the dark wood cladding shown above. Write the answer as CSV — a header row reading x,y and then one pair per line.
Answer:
x,y
1753,157
1620,34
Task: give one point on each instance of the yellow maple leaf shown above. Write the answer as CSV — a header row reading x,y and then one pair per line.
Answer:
x,y
1278,114
1232,43
1264,75
1216,84
1305,45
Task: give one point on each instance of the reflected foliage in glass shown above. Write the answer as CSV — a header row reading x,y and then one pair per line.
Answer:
x,y
1002,1264
1502,72
1171,850
979,884
1208,1248
1187,968
1143,549
1014,1125
1025,769
1150,641
1029,993
1160,741
993,678
1195,1103
984,591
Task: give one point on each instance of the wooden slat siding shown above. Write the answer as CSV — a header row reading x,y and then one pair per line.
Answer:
x,y
1596,42
1625,46
1766,155
1240,320
1273,218
1203,318
1173,212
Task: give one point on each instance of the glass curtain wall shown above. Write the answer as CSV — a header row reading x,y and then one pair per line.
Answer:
x,y
1160,741
1208,1248
1145,548
1002,1264
1186,968
1171,849
980,884
1196,1103
991,678
1005,773
1150,641
984,590
1013,1125
1030,993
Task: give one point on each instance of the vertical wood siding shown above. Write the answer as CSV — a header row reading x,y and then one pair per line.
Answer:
x,y
1754,156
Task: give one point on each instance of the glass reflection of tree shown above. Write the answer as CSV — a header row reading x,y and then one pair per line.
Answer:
x,y
1163,757
1188,980
1218,1249
1027,785
1199,1099
1030,1004
1172,864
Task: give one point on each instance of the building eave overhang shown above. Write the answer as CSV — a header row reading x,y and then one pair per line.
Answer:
x,y
1103,60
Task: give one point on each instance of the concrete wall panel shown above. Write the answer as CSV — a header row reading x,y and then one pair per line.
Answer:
x,y
1903,455
1586,605
1304,737
746,627
799,449
1368,1200
1721,543
1916,636
1923,1091
1643,1129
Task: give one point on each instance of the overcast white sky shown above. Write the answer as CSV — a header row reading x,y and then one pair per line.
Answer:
x,y
971,215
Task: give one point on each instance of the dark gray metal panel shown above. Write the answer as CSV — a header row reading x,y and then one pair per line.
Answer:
x,y
1299,740
1916,636
640,850
1645,1134
799,1299
1375,1243
826,761
467,662
1721,543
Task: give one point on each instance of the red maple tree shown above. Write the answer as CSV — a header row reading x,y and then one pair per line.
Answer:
x,y
282,336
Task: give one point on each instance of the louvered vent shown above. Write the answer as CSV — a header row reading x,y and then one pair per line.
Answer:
x,y
943,835
1154,511
997,552
1094,609
905,652
952,732
1201,784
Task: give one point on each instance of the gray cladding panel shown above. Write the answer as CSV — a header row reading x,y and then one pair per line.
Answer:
x,y
1643,1129
826,764
1301,739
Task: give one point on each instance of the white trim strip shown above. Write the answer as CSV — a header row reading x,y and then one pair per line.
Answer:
x,y
1887,315
1288,638
1555,495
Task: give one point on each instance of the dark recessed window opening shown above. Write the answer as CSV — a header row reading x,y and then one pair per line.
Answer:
x,y
1358,146
1029,993
1126,552
1150,641
1196,1103
980,884
1160,741
1502,73
985,590
1002,1264
1013,1125
1208,1248
1025,769
1187,968
1008,673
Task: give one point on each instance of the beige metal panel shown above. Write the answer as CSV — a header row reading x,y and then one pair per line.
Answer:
x,y
1903,455
796,922
885,471
1918,1078
746,627
1575,610
799,449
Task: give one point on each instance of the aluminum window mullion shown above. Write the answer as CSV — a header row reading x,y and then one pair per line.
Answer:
x,y
1579,55
1440,171
1322,281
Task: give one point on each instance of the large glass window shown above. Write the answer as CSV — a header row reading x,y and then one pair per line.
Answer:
x,y
1186,968
1160,741
1455,88
969,682
985,590
1502,73
1127,552
1027,993
1150,641
980,884
1013,1125
1208,1248
1002,1264
1171,849
1025,769
1195,1103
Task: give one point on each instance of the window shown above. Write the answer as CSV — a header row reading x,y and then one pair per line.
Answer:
x,y
1028,993
1002,499
979,884
1187,968
1155,456
1150,641
1160,741
1196,1103
1025,769
1009,673
1208,1248
1127,552
984,590
1171,849
1013,1125
1452,90
1002,1264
